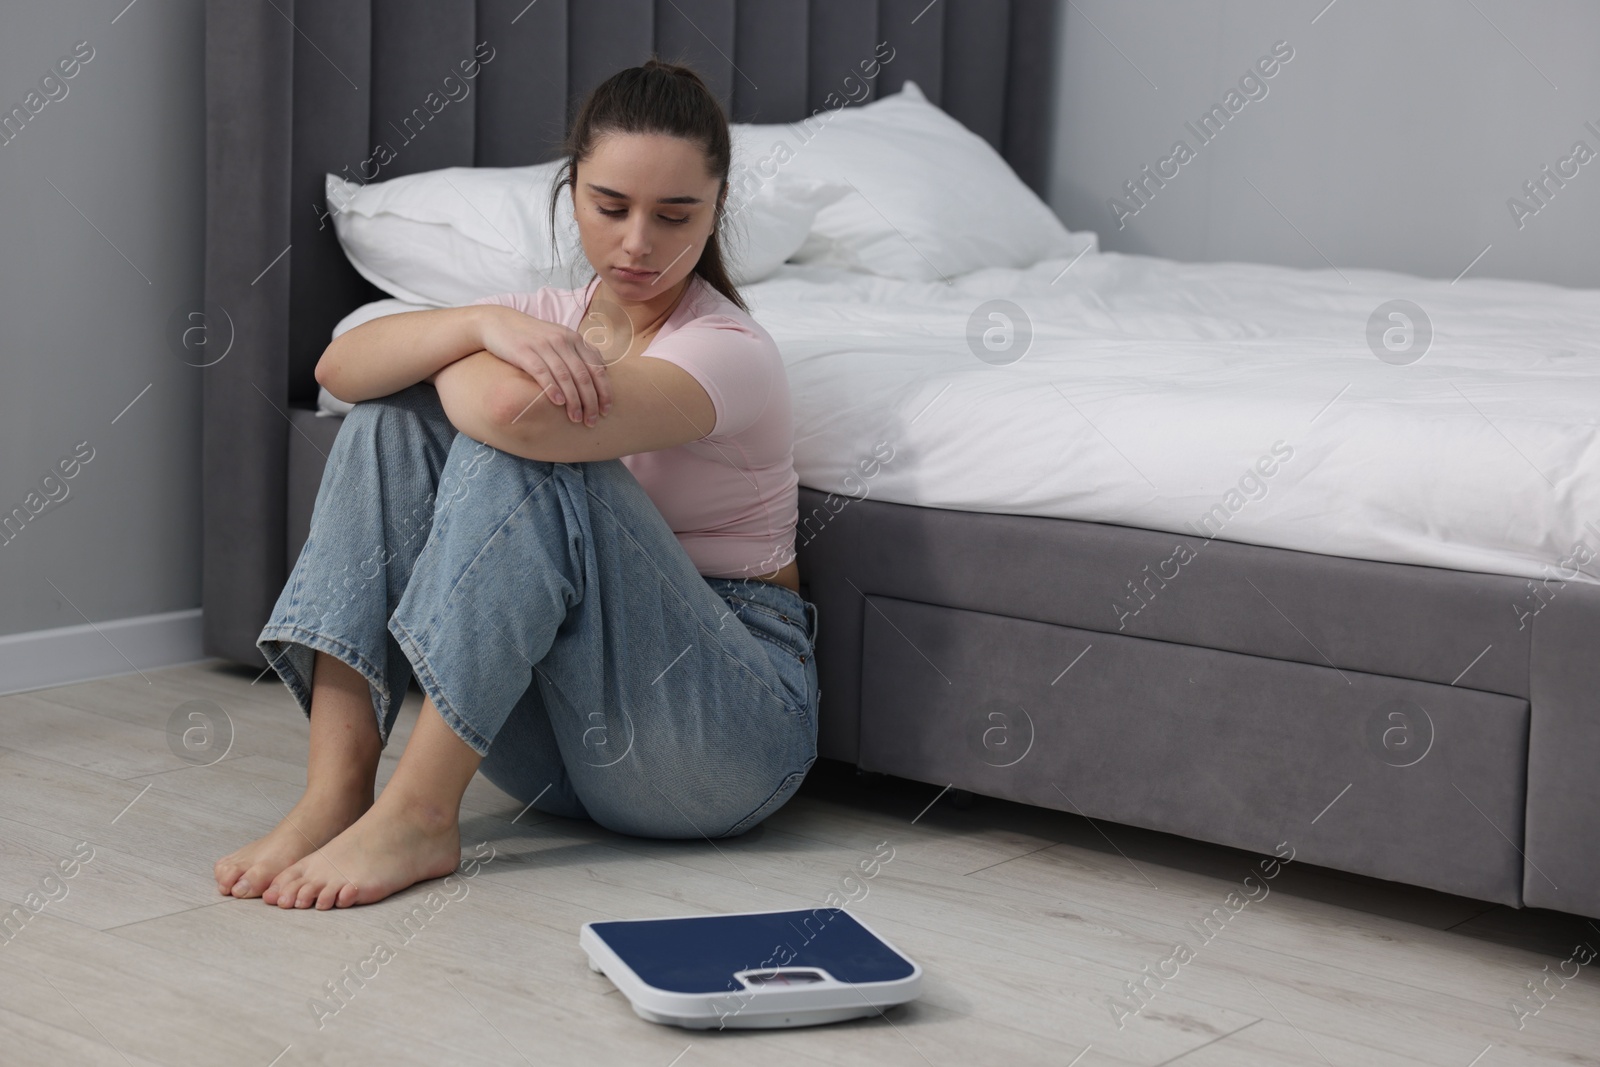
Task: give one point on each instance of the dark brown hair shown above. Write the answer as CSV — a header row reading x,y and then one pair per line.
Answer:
x,y
665,98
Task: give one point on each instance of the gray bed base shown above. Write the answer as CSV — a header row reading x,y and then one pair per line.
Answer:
x,y
1410,723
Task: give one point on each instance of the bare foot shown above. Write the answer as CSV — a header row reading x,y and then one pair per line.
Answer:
x,y
394,845
315,820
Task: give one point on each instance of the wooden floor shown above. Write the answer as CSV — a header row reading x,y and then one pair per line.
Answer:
x,y
1028,922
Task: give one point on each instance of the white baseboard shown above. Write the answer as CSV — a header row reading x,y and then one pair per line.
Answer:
x,y
45,658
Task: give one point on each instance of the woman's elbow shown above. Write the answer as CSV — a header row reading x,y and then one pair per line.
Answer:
x,y
327,375
331,385
502,403
323,371
506,415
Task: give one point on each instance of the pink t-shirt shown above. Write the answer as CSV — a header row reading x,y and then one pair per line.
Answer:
x,y
731,497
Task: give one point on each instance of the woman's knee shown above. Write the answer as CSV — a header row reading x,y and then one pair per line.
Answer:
x,y
400,412
481,476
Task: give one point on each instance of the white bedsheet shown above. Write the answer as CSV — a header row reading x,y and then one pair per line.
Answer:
x,y
1152,388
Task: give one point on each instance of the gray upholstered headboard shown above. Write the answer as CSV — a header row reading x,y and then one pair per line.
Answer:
x,y
296,90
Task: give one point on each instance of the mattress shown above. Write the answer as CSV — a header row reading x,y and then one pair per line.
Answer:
x,y
1300,409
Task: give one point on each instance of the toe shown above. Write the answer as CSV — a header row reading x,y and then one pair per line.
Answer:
x,y
347,895
248,884
281,891
307,894
227,873
329,894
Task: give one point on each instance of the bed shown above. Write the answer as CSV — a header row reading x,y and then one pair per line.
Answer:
x,y
1205,548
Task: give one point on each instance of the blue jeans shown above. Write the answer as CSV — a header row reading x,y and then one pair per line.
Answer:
x,y
556,624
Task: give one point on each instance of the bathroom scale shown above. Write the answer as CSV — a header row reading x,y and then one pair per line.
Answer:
x,y
752,969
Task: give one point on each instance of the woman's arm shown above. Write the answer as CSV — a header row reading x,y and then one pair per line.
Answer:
x,y
658,405
469,391
390,353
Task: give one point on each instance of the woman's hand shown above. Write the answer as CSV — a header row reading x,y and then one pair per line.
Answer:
x,y
568,368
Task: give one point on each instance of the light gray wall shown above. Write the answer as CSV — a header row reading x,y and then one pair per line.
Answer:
x,y
1393,138
101,196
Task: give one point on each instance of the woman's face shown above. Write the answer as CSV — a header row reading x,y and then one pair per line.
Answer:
x,y
644,201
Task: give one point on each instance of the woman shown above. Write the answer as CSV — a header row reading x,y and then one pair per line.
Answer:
x,y
498,516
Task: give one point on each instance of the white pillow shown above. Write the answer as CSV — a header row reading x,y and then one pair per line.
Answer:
x,y
931,199
767,223
446,237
